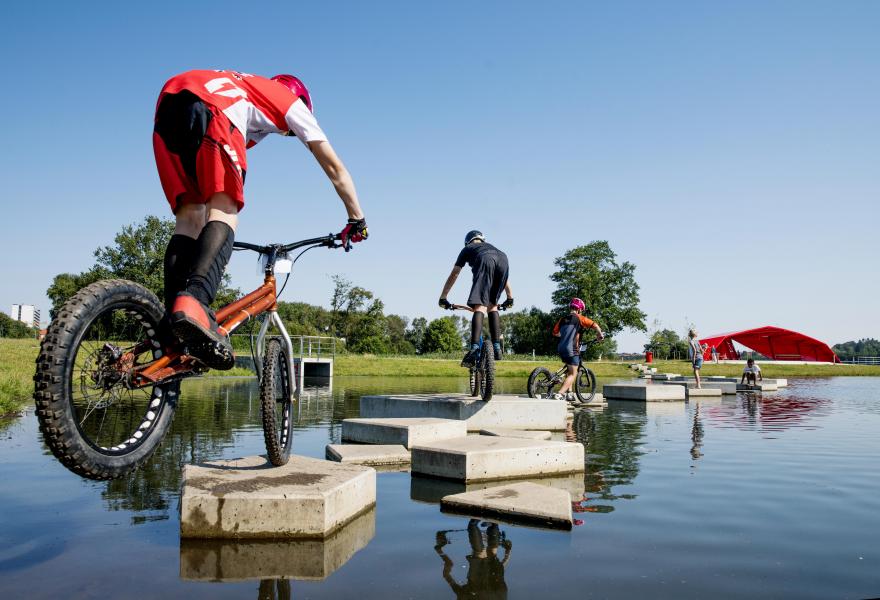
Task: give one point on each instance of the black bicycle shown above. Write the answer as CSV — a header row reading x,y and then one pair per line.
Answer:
x,y
482,372
542,381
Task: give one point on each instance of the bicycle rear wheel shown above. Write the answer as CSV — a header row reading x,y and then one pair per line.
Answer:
x,y
487,368
541,382
276,404
585,384
94,419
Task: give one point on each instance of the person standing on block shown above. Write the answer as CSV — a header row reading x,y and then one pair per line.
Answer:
x,y
695,354
490,272
205,122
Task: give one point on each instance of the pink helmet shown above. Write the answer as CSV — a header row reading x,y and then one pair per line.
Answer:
x,y
296,86
577,304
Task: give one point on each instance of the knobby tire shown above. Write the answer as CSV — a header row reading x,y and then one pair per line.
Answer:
x,y
276,404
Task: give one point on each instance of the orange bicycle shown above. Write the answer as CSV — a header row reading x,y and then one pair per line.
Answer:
x,y
106,386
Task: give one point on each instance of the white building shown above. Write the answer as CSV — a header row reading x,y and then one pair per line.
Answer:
x,y
26,313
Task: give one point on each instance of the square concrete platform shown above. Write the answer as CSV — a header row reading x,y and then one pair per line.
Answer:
x,y
370,455
514,412
764,386
479,457
726,387
643,393
705,392
405,431
248,498
242,560
521,502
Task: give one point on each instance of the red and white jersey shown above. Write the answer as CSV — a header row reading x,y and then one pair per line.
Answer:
x,y
257,106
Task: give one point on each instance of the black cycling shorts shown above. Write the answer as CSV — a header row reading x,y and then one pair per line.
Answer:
x,y
490,279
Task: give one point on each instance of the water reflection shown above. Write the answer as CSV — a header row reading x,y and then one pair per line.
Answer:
x,y
766,413
241,560
485,569
697,434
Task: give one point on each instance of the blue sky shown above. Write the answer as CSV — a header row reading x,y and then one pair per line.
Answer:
x,y
729,150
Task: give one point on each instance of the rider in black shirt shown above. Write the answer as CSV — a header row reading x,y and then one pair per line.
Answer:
x,y
490,271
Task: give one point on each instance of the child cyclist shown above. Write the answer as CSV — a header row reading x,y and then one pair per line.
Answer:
x,y
568,329
205,122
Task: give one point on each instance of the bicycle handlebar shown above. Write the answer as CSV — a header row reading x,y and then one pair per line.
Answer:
x,y
467,308
328,240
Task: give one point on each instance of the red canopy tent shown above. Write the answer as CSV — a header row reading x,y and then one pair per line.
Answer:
x,y
773,342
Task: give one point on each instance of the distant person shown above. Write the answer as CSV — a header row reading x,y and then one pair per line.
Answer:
x,y
490,271
695,354
205,122
751,373
568,329
714,355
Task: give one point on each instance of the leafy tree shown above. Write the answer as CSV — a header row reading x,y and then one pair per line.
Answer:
x,y
608,288
11,328
529,330
397,341
665,343
853,349
415,335
442,335
137,254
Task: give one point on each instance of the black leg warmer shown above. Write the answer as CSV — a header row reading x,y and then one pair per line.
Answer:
x,y
178,262
213,249
476,328
495,326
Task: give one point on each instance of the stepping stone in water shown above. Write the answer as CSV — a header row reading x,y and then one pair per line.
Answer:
x,y
242,560
703,393
433,489
523,502
248,498
643,393
517,433
371,455
479,457
406,431
758,387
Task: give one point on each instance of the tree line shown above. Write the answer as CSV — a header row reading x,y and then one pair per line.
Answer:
x,y
854,349
355,315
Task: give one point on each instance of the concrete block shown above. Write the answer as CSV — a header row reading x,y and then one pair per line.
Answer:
x,y
432,490
661,410
517,433
513,412
664,376
643,393
779,382
404,431
521,502
248,498
764,386
476,458
705,392
726,387
371,455
242,560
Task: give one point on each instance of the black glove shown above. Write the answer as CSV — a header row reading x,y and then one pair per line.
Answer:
x,y
506,304
354,231
444,303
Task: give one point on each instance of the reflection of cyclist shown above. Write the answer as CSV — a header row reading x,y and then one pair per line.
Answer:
x,y
485,576
490,270
568,329
205,121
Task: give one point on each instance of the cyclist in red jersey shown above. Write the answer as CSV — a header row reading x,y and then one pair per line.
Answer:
x,y
205,122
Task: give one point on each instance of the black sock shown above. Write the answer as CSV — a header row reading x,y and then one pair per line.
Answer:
x,y
476,328
178,262
495,326
213,249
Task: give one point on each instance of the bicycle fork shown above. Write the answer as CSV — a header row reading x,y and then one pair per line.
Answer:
x,y
273,318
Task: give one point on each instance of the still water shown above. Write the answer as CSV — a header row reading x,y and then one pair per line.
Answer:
x,y
748,496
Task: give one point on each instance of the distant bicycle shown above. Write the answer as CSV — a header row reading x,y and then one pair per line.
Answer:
x,y
482,373
542,381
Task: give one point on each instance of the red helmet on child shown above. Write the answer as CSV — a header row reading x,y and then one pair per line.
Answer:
x,y
296,86
577,304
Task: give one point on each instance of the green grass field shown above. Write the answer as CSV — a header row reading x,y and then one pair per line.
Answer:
x,y
17,369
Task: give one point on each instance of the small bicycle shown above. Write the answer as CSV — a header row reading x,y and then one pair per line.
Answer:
x,y
482,373
106,386
542,381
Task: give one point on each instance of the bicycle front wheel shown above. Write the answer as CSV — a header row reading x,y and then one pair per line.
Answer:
x,y
276,404
94,418
487,368
585,384
476,381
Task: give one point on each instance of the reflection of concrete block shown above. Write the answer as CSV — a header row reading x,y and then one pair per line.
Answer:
x,y
239,560
432,489
513,412
476,458
406,431
643,393
248,498
371,455
517,433
523,502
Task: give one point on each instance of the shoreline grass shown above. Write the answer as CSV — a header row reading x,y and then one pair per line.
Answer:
x,y
17,369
